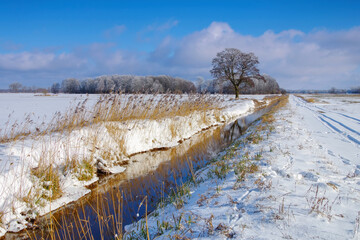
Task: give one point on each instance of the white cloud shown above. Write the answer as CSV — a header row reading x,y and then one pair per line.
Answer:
x,y
30,61
298,60
25,61
319,59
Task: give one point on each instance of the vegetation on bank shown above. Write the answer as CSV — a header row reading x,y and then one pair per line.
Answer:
x,y
114,107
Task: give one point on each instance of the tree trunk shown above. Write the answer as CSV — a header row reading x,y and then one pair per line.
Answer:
x,y
236,91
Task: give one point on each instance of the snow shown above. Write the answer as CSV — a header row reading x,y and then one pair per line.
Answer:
x,y
307,186
15,107
105,144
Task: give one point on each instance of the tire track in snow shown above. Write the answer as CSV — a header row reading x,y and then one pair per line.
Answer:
x,y
336,125
341,124
330,125
351,138
341,114
357,120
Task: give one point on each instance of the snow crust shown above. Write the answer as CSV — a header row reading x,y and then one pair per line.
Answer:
x,y
114,142
308,185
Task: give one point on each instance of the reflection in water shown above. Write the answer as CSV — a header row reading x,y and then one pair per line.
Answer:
x,y
115,199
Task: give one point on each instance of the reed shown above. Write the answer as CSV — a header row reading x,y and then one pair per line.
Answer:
x,y
112,107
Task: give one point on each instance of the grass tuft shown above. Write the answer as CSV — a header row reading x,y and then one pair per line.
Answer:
x,y
2,213
221,169
86,170
49,179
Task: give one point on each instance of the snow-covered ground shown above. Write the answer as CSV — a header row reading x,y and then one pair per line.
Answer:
x,y
23,163
15,107
303,181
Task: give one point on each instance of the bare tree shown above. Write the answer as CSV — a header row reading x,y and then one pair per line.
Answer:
x,y
55,88
15,87
237,67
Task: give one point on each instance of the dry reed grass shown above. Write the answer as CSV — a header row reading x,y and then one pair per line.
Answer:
x,y
2,213
112,107
108,218
276,105
308,99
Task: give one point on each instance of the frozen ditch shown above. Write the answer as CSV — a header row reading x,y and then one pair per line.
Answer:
x,y
53,166
164,171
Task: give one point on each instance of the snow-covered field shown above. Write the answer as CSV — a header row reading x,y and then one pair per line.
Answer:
x,y
15,107
31,169
302,181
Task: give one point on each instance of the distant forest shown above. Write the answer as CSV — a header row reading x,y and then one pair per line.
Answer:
x,y
353,90
162,84
126,84
159,84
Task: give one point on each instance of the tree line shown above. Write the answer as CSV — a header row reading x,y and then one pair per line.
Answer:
x,y
125,84
147,84
161,84
18,87
104,84
333,90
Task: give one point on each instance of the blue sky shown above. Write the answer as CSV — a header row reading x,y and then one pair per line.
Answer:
x,y
303,44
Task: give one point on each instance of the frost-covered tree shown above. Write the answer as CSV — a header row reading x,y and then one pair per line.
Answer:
x,y
199,84
88,86
129,84
157,87
105,84
269,86
236,67
205,86
70,85
55,88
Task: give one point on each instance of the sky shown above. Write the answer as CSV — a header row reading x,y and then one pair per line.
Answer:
x,y
302,44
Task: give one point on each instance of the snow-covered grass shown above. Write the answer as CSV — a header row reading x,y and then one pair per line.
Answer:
x,y
44,165
294,175
107,108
